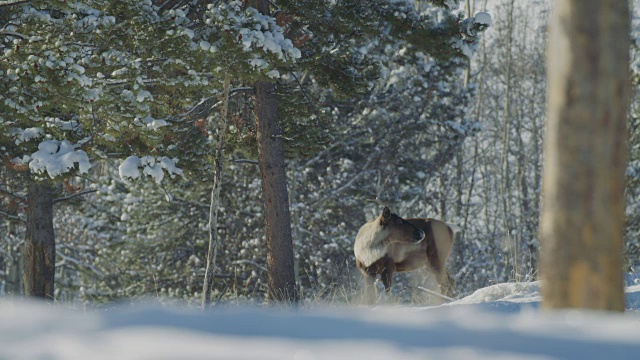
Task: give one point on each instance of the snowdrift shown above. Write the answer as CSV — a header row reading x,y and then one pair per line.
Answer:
x,y
498,322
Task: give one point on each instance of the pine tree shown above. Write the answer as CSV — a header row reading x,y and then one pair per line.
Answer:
x,y
79,85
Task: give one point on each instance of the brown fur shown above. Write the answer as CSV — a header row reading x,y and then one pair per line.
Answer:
x,y
396,251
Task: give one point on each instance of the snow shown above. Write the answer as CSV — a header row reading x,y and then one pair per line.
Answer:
x,y
157,123
142,95
152,167
498,322
58,157
452,4
129,168
205,45
483,18
256,32
27,134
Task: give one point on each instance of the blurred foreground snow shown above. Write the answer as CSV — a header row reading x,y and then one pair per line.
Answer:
x,y
498,322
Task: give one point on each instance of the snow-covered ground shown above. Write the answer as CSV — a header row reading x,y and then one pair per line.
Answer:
x,y
498,322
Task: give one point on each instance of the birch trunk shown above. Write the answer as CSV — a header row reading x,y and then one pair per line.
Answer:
x,y
506,171
585,155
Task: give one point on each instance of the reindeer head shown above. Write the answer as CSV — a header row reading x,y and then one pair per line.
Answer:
x,y
398,229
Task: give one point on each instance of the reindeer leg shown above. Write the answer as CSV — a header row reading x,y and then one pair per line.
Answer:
x,y
369,283
369,290
387,275
446,282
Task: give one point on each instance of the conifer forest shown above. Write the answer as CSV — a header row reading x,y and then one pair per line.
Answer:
x,y
225,152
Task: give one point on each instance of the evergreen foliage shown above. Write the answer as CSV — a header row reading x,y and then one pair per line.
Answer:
x,y
371,105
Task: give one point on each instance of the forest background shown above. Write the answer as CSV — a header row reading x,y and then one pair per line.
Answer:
x,y
417,126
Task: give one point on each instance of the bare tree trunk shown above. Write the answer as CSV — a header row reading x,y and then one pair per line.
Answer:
x,y
581,225
506,171
39,246
479,103
443,196
215,197
282,285
281,282
537,130
527,211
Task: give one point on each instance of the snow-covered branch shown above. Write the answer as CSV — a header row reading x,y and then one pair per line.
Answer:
x,y
239,262
347,185
78,263
12,194
202,108
13,2
14,34
74,195
11,217
246,161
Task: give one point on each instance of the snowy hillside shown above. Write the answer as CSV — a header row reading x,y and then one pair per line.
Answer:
x,y
497,322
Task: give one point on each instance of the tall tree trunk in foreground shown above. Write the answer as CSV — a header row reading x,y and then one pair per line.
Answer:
x,y
39,245
215,197
281,283
581,225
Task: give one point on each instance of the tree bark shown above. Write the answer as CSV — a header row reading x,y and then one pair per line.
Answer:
x,y
282,285
39,246
583,180
281,272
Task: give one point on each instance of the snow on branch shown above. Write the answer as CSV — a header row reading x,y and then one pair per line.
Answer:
x,y
12,194
14,34
153,167
56,158
483,18
68,259
471,27
65,198
13,2
11,217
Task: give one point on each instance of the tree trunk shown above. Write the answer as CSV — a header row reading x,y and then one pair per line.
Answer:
x,y
14,261
215,197
281,283
505,195
39,245
583,180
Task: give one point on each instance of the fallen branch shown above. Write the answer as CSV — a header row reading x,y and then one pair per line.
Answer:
x,y
435,293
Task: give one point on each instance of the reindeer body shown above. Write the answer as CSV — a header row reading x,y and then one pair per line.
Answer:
x,y
389,244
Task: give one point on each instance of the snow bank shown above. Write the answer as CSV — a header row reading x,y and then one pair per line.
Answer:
x,y
507,297
30,330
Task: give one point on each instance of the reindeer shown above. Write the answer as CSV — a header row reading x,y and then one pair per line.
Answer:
x,y
389,244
